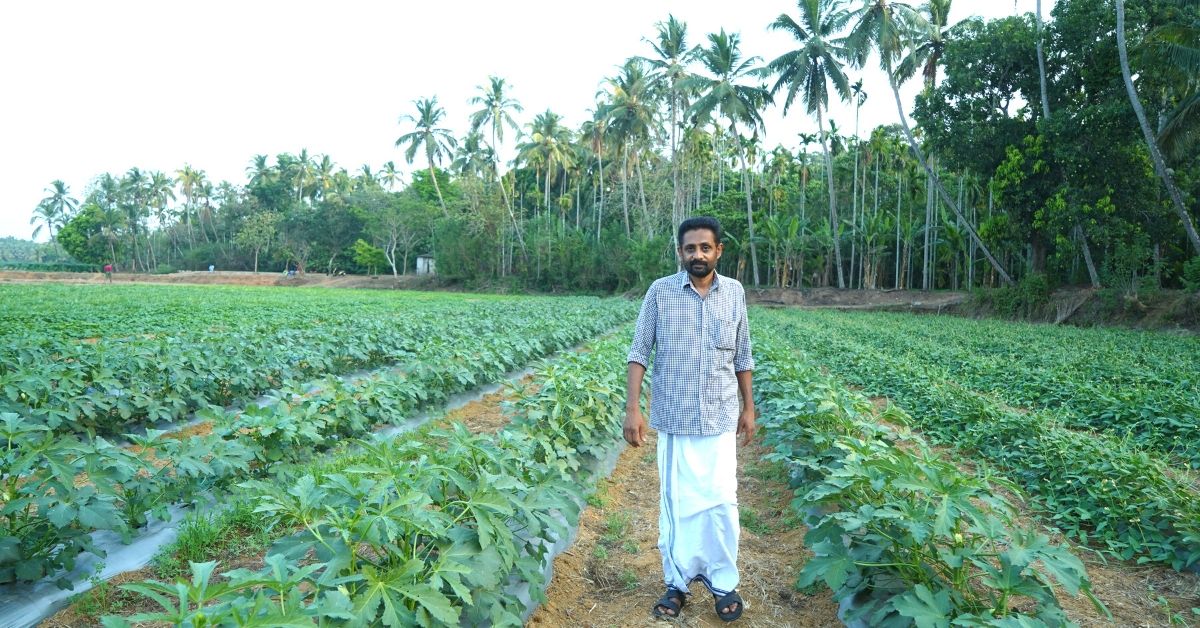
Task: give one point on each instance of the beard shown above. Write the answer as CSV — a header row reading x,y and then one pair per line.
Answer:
x,y
699,269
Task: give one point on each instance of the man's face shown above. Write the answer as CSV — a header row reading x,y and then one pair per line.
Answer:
x,y
700,252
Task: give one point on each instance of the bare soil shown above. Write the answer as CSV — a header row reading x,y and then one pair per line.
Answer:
x,y
234,278
612,575
833,298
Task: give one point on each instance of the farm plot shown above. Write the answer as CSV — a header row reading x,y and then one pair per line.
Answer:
x,y
60,486
445,527
1141,386
1099,489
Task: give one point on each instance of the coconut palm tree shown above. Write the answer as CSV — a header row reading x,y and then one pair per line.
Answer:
x,y
807,72
884,27
669,67
54,210
1176,47
928,43
389,176
436,142
548,148
726,93
1160,164
497,109
631,111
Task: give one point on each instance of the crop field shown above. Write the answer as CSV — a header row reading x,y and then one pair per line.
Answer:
x,y
913,470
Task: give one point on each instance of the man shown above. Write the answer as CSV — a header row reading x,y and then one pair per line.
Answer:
x,y
695,322
108,271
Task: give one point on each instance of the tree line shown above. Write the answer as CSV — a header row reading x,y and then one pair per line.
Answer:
x,y
1057,150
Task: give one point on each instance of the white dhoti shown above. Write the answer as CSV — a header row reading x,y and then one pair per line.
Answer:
x,y
698,517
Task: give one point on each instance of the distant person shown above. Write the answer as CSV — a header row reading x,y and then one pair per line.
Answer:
x,y
108,271
211,267
695,324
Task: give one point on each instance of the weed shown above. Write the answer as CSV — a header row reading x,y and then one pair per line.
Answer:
x,y
629,580
752,522
599,498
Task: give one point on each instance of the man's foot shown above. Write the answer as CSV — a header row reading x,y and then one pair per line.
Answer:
x,y
730,606
671,603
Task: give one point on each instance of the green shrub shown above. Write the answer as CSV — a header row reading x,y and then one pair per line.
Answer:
x,y
1027,299
1191,275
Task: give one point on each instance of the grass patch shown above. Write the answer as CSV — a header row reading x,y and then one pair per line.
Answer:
x,y
599,498
234,531
751,521
104,598
615,526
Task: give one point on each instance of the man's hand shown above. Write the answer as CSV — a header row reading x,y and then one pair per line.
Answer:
x,y
635,426
746,426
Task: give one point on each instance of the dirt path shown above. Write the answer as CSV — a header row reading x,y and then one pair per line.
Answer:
x,y
230,278
612,575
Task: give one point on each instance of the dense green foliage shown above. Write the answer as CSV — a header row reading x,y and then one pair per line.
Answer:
x,y
1067,191
896,527
106,379
423,531
47,516
1097,486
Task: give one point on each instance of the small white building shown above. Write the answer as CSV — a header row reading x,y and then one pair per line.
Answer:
x,y
425,265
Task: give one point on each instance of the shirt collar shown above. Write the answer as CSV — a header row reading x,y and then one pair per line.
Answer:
x,y
685,280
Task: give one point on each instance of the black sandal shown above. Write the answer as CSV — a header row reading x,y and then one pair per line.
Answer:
x,y
667,603
730,599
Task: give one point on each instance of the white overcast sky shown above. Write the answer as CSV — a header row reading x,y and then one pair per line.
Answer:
x,y
90,87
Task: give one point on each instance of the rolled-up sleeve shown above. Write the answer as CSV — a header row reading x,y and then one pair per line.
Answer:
x,y
643,332
743,360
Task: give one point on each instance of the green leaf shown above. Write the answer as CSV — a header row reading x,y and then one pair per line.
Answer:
x,y
925,608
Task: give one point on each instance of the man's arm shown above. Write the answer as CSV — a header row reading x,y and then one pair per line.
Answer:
x,y
639,359
743,365
746,425
635,424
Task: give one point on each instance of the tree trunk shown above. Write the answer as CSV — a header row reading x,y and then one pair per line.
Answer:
x,y
642,191
437,188
1087,255
833,217
600,209
1159,163
1042,63
625,186
912,143
749,209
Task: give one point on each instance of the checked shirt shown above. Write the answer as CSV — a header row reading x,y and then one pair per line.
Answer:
x,y
698,344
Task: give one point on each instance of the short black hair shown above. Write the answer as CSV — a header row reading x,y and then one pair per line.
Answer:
x,y
699,222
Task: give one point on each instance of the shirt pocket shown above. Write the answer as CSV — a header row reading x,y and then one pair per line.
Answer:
x,y
724,334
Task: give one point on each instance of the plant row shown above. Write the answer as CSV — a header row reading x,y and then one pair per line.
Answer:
x,y
1098,489
431,530
1135,388
112,385
59,488
900,535
120,310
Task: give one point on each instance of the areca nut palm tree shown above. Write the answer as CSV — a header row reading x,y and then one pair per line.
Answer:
x,y
436,141
885,27
727,94
1160,164
807,72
